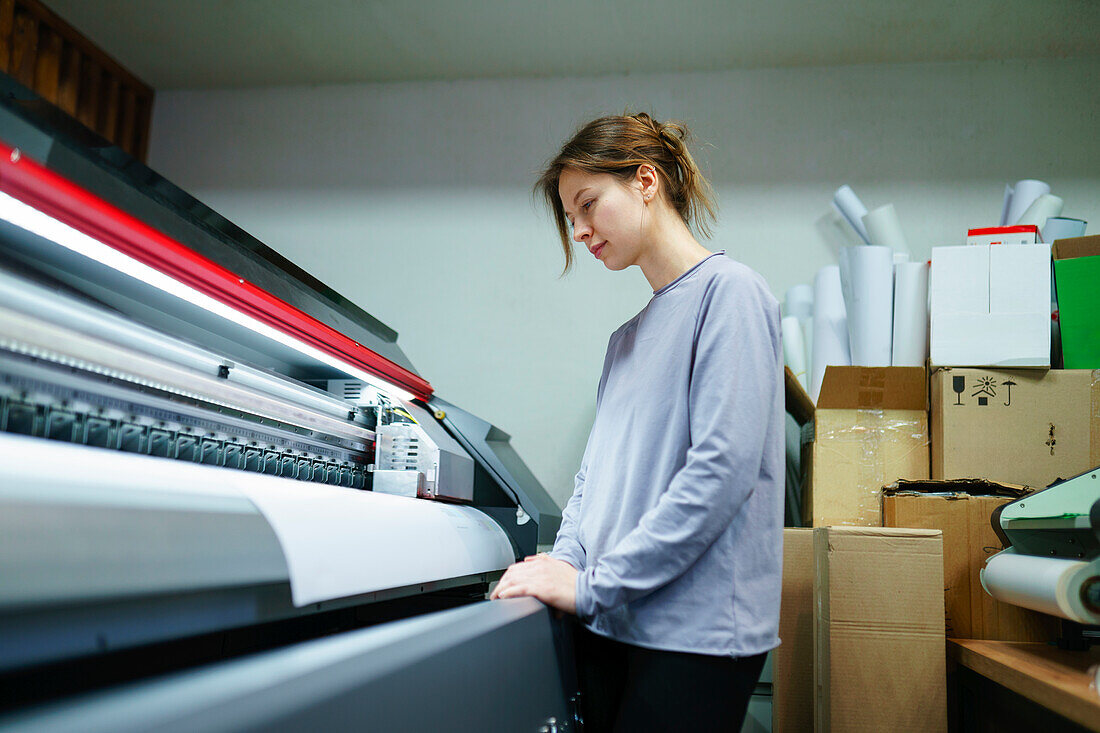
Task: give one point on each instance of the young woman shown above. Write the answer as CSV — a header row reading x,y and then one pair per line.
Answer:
x,y
670,547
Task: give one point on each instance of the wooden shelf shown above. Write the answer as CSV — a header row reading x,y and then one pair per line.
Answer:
x,y
1057,679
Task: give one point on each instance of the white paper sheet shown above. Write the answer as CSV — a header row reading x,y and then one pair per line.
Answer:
x,y
1006,204
336,542
341,542
1061,227
910,339
1045,207
794,350
852,209
867,283
884,229
1023,194
830,327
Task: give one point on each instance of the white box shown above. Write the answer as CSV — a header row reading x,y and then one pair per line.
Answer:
x,y
959,279
1019,234
1019,278
991,339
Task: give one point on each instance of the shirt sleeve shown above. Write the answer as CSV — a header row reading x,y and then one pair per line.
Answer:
x,y
731,400
566,545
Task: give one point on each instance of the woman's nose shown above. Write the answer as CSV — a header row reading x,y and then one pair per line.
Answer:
x,y
581,232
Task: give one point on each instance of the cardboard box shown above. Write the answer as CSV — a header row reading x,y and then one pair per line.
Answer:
x,y
961,510
1018,234
990,305
870,429
879,661
1021,426
793,660
1076,274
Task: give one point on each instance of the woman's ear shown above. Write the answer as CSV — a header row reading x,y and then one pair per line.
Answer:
x,y
647,181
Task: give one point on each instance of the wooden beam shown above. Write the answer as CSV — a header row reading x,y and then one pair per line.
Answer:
x,y
7,28
47,71
68,85
87,108
24,49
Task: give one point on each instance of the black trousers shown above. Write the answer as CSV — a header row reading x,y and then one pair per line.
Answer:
x,y
626,688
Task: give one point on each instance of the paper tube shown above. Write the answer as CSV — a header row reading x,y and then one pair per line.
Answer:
x,y
799,302
794,349
1041,209
1005,204
1047,584
910,342
1024,194
830,327
1060,227
885,230
852,209
867,282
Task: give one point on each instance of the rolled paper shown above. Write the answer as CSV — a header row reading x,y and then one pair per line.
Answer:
x,y
794,350
830,327
867,284
1005,204
1060,227
799,302
1045,207
1051,585
852,209
1024,194
885,230
910,340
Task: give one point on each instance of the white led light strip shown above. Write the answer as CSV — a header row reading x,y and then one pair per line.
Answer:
x,y
27,217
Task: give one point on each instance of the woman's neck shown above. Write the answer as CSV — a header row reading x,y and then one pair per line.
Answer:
x,y
673,252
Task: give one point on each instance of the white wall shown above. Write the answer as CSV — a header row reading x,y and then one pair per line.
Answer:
x,y
413,199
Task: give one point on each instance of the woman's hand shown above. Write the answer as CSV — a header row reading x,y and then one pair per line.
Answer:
x,y
551,581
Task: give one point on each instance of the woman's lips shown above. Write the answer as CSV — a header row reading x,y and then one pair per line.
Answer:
x,y
596,251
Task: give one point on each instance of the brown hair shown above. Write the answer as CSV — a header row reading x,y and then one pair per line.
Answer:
x,y
618,145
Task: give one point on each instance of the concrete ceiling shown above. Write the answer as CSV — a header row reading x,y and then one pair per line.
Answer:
x,y
174,44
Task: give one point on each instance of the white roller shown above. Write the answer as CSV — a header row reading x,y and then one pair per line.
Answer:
x,y
1046,584
884,229
910,341
1043,208
830,327
794,350
852,209
1022,195
337,542
867,283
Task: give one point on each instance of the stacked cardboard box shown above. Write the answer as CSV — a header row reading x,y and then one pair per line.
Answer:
x,y
1016,426
962,511
870,428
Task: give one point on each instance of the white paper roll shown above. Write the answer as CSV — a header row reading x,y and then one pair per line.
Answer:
x,y
1024,194
1043,208
910,342
1060,227
799,302
1007,202
794,349
1046,584
867,283
884,229
830,327
852,209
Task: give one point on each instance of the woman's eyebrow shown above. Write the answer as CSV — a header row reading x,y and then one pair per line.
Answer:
x,y
579,193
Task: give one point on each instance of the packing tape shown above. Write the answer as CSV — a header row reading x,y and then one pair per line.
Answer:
x,y
871,431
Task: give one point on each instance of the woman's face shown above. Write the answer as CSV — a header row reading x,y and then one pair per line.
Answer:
x,y
607,215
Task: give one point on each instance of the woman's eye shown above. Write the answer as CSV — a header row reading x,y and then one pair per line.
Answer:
x,y
587,204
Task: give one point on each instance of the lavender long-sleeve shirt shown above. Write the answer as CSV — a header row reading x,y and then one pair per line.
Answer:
x,y
676,520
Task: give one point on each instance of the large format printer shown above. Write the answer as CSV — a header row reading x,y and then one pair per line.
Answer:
x,y
227,499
